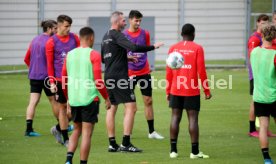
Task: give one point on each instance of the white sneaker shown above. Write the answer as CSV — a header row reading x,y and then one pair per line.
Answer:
x,y
199,155
56,134
173,155
155,135
66,143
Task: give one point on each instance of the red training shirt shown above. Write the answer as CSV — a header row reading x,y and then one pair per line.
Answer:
x,y
184,81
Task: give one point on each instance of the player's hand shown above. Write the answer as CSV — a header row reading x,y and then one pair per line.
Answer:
x,y
68,112
158,44
133,59
207,97
168,97
107,104
53,88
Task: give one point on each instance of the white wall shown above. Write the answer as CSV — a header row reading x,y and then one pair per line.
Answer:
x,y
18,25
220,24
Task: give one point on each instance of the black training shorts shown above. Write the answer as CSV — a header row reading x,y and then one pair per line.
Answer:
x,y
38,85
251,87
265,109
87,113
185,102
60,97
119,90
144,82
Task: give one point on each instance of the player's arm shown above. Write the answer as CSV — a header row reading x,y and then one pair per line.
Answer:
x,y
202,72
64,79
125,43
147,38
169,77
27,58
252,43
95,58
275,62
49,49
77,40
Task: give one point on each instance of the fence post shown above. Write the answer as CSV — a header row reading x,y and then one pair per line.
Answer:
x,y
273,5
40,15
181,17
113,5
248,27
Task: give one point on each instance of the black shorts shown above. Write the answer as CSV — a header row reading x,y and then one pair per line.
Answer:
x,y
251,87
185,102
87,113
144,82
38,85
265,109
60,97
119,91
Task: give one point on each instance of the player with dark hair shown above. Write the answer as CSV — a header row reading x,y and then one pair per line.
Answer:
x,y
263,62
274,23
82,68
183,90
139,72
255,40
114,54
56,49
35,59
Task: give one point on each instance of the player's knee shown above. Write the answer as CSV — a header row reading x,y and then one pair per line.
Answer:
x,y
148,101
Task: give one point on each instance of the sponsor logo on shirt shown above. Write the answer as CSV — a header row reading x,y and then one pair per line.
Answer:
x,y
108,55
187,66
106,41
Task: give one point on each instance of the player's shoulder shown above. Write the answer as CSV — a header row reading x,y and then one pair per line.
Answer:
x,y
95,52
196,45
176,44
254,37
146,31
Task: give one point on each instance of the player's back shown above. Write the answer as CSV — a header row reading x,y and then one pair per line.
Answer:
x,y
188,74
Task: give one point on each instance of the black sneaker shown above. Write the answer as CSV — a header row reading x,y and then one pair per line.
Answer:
x,y
130,148
113,148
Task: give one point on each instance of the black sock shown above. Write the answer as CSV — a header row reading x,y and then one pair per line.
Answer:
x,y
173,145
112,141
83,162
69,157
151,126
65,135
58,127
29,125
195,148
126,140
265,152
252,127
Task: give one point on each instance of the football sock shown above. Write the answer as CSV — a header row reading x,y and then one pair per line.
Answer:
x,y
112,141
83,162
64,135
252,127
265,153
69,157
58,127
173,145
151,126
126,140
29,125
195,148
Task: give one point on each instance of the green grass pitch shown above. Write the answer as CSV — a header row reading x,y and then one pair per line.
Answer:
x,y
223,128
